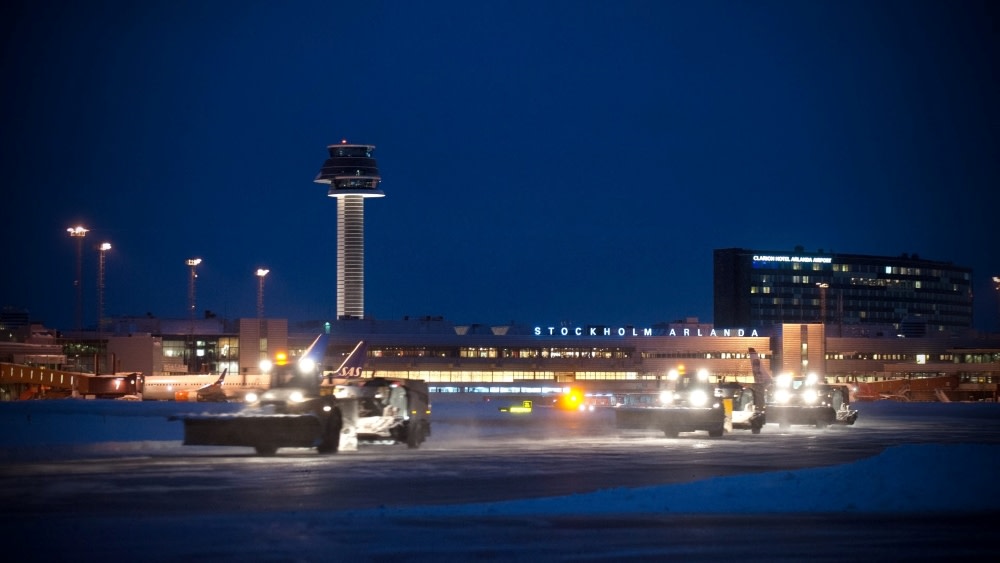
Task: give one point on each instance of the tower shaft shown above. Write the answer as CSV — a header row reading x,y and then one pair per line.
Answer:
x,y
350,256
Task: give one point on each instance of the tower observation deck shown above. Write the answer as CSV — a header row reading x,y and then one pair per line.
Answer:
x,y
352,175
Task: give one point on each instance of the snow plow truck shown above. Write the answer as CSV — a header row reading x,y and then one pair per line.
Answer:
x,y
307,408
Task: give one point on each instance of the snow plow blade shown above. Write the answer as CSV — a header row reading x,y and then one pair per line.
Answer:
x,y
671,420
293,431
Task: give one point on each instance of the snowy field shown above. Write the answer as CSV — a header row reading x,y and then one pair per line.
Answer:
x,y
948,480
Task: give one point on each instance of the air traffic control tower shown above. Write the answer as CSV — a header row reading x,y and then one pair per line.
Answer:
x,y
353,176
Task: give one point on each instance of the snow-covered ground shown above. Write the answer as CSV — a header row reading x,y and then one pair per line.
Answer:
x,y
895,482
40,429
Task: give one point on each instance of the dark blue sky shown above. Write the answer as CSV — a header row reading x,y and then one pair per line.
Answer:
x,y
542,161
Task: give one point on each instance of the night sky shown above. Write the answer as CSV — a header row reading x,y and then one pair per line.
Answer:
x,y
542,161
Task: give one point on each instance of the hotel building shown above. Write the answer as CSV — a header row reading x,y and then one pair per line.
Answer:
x,y
851,293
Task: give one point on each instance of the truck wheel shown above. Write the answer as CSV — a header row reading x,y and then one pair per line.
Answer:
x,y
415,436
331,438
262,449
670,432
715,432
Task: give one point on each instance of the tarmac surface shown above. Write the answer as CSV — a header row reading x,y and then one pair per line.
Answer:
x,y
158,500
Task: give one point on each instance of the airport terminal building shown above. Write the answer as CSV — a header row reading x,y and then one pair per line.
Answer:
x,y
845,317
511,358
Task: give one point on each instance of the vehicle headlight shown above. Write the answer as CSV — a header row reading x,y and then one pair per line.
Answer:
x,y
698,398
296,397
782,396
810,396
250,397
666,397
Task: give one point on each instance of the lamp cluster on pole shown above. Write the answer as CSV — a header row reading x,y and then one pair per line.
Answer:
x,y
996,286
261,326
105,246
261,272
823,286
193,265
78,232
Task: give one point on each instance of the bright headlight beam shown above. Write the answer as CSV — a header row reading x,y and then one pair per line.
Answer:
x,y
698,398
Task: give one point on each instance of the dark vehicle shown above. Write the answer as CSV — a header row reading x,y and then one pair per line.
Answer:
x,y
292,413
304,408
691,404
804,400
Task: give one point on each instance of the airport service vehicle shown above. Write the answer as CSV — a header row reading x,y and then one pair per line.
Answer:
x,y
305,408
804,400
691,404
388,410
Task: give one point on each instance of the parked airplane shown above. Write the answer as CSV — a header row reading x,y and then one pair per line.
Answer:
x,y
186,387
222,388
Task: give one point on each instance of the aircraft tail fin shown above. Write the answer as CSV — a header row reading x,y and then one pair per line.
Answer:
x,y
760,374
354,363
222,377
317,350
210,392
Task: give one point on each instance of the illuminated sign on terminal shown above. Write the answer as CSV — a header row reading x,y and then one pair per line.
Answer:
x,y
634,331
786,258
